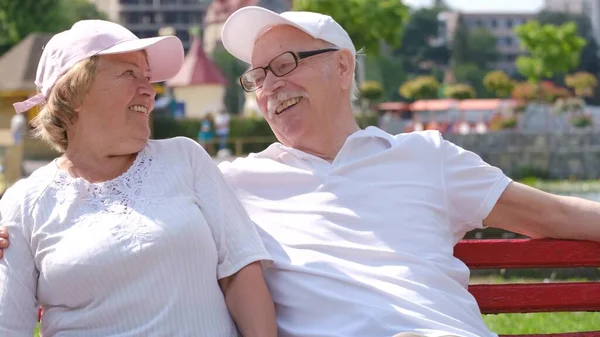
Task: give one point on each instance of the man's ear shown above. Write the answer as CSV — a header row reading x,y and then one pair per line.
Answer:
x,y
346,65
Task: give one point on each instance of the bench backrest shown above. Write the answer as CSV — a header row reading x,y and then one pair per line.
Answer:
x,y
536,297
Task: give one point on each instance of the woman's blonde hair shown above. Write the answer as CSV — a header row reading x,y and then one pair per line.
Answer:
x,y
59,111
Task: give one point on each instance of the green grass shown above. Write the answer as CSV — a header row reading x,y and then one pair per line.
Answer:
x,y
543,322
563,186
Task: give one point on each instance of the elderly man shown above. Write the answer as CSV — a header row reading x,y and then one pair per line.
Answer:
x,y
361,224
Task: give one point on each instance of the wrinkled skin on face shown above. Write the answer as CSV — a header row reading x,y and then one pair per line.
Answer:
x,y
309,108
113,117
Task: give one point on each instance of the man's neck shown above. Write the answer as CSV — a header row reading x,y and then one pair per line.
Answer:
x,y
329,148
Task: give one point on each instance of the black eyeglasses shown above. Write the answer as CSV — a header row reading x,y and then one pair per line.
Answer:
x,y
280,66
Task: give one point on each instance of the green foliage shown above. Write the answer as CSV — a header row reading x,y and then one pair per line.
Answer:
x,y
481,48
574,105
371,90
368,22
472,75
536,323
416,50
422,87
232,69
239,127
581,121
589,55
509,123
390,73
552,49
476,46
460,91
499,83
582,83
20,18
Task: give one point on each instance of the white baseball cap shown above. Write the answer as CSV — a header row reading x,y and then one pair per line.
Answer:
x,y
98,37
244,27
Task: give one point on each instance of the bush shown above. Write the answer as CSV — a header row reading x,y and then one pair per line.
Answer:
x,y
581,121
371,90
460,91
239,127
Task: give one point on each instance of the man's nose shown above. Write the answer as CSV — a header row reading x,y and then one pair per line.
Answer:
x,y
271,83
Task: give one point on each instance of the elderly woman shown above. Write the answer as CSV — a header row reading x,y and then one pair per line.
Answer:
x,y
122,235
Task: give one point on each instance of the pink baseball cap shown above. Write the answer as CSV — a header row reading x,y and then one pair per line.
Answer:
x,y
98,37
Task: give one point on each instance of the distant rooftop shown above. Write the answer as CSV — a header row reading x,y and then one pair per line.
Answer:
x,y
18,66
197,69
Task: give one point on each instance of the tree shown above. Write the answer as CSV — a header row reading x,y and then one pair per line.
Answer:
x,y
232,69
481,48
471,74
422,87
368,22
499,83
477,46
460,91
582,83
20,18
589,54
416,48
552,49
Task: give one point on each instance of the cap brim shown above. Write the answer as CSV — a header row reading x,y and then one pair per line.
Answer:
x,y
165,54
243,27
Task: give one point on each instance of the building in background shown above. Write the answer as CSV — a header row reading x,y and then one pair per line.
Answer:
x,y
220,10
500,25
146,17
567,6
199,86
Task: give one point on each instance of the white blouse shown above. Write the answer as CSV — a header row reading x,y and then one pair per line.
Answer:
x,y
139,255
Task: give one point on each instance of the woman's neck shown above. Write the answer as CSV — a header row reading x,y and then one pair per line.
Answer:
x,y
94,167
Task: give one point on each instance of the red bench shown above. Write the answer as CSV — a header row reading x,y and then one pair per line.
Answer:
x,y
537,297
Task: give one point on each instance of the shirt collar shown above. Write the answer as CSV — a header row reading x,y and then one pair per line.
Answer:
x,y
277,149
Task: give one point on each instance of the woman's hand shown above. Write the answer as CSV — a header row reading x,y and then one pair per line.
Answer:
x,y
3,240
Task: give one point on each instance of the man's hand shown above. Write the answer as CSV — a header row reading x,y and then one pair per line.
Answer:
x,y
3,240
537,214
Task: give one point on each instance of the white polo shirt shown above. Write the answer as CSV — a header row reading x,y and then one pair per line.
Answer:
x,y
363,246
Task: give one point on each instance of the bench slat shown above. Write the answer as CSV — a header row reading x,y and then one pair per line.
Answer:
x,y
537,297
526,253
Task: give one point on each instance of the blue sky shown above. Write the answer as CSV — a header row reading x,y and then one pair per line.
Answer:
x,y
486,5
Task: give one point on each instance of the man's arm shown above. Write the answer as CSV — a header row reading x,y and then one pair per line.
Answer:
x,y
249,302
537,214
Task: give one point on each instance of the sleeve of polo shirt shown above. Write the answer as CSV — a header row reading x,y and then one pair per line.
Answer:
x,y
472,186
236,236
18,274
